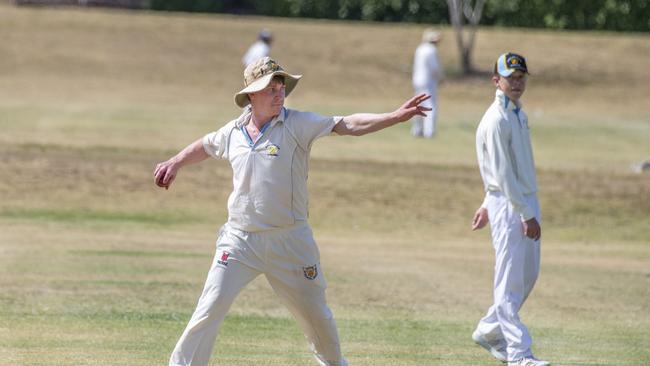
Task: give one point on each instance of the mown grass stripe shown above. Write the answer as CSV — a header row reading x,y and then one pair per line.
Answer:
x,y
106,216
138,253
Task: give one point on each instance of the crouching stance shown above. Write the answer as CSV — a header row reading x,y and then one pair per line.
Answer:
x,y
506,163
267,232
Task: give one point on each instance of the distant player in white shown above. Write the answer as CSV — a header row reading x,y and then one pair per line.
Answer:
x,y
427,73
267,231
261,48
505,159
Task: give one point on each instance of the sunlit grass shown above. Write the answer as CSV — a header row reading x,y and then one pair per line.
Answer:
x,y
99,267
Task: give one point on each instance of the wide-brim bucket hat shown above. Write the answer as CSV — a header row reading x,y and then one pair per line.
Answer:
x,y
259,74
431,35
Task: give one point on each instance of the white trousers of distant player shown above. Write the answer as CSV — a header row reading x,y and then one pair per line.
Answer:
x,y
515,273
426,126
289,259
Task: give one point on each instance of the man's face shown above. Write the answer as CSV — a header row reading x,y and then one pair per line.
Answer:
x,y
512,86
270,99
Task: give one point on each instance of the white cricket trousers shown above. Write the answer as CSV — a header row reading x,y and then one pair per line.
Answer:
x,y
515,273
426,126
289,258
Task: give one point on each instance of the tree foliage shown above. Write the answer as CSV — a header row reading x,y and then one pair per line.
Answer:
x,y
615,15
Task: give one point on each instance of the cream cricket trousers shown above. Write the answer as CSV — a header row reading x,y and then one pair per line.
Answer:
x,y
426,126
515,273
289,259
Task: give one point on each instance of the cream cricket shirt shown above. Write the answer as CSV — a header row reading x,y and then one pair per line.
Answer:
x,y
270,174
505,155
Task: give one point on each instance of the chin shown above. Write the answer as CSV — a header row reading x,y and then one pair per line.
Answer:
x,y
516,95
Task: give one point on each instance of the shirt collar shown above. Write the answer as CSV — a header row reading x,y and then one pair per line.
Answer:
x,y
507,103
243,119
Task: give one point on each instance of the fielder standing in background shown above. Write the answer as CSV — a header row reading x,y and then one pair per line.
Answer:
x,y
427,73
261,48
267,231
505,159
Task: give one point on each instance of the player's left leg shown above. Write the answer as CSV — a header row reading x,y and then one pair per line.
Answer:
x,y
429,124
296,276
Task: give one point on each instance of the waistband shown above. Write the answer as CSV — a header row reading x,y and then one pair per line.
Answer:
x,y
272,231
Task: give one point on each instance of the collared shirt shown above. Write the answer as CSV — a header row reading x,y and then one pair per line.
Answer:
x,y
427,70
505,155
270,174
256,51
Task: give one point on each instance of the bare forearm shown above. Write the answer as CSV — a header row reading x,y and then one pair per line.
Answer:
x,y
192,154
362,123
359,124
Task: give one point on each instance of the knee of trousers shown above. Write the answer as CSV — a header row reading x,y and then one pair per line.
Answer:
x,y
214,306
508,305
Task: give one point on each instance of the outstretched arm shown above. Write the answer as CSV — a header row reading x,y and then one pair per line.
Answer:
x,y
165,172
362,123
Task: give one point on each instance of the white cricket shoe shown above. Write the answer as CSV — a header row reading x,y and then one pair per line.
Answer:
x,y
497,350
529,361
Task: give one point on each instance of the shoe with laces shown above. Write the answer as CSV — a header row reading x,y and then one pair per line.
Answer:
x,y
497,350
529,361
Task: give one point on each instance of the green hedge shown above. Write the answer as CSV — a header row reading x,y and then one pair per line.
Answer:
x,y
614,15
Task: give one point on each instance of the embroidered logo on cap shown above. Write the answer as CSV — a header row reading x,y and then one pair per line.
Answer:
x,y
310,272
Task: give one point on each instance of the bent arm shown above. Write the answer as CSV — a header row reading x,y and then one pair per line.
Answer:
x,y
359,124
165,172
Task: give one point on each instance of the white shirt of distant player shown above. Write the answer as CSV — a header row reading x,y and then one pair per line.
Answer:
x,y
256,51
270,174
427,70
505,154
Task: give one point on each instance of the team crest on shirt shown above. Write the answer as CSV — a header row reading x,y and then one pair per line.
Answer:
x,y
224,259
272,150
310,272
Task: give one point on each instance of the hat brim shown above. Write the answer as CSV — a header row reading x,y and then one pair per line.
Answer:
x,y
290,82
507,72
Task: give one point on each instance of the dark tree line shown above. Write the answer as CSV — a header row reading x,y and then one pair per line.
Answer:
x,y
613,15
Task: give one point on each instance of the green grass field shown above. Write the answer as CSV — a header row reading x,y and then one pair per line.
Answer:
x,y
98,267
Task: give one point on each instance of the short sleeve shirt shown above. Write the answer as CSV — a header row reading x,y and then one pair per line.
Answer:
x,y
270,174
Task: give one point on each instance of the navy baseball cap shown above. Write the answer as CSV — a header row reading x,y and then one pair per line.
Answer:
x,y
509,62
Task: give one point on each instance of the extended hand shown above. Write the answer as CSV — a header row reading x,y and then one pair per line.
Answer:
x,y
480,219
165,173
532,229
412,108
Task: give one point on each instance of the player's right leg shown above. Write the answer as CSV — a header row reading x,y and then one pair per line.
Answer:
x,y
227,277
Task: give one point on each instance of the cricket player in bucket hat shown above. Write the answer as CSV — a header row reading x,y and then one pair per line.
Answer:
x,y
427,74
267,231
259,74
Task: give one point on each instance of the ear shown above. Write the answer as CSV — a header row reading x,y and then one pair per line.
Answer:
x,y
495,80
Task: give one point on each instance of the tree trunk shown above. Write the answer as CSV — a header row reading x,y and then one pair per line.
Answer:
x,y
459,10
